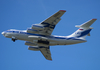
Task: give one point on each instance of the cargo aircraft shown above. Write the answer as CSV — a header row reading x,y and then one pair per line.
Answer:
x,y
39,37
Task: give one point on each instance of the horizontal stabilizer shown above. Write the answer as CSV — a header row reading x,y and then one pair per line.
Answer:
x,y
87,24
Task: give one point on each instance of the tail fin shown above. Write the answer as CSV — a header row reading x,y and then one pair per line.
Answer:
x,y
84,29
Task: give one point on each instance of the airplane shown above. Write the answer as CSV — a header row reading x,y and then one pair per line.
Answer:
x,y
39,37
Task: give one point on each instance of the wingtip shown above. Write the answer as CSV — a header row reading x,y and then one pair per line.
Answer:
x,y
63,10
94,19
50,59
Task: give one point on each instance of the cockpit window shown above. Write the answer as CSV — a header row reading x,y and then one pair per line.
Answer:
x,y
13,31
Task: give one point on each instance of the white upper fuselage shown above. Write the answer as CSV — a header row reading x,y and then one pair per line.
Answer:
x,y
53,40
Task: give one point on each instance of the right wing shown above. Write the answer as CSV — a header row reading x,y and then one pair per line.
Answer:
x,y
47,26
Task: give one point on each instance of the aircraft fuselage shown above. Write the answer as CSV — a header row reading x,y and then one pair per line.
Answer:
x,y
43,40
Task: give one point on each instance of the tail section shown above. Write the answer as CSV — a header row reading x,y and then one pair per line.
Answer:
x,y
84,29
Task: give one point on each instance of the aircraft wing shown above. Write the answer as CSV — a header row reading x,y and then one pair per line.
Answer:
x,y
46,52
51,22
47,26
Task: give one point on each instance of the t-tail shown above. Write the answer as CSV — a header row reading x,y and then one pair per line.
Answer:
x,y
84,30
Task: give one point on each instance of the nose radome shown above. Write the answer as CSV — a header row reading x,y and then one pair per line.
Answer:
x,y
2,33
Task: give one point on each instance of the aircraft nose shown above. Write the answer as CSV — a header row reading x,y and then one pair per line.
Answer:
x,y
3,33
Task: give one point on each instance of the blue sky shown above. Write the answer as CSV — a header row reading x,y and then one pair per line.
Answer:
x,y
21,14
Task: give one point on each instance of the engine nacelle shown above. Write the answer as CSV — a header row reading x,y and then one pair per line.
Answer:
x,y
30,44
32,31
42,32
38,27
33,48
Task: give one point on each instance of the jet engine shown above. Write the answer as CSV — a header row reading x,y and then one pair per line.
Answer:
x,y
42,32
38,27
32,31
30,44
34,48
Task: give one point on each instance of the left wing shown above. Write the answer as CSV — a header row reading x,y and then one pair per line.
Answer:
x,y
46,52
47,26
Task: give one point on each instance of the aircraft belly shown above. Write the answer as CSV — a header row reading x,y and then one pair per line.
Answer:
x,y
58,42
23,37
69,42
65,42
